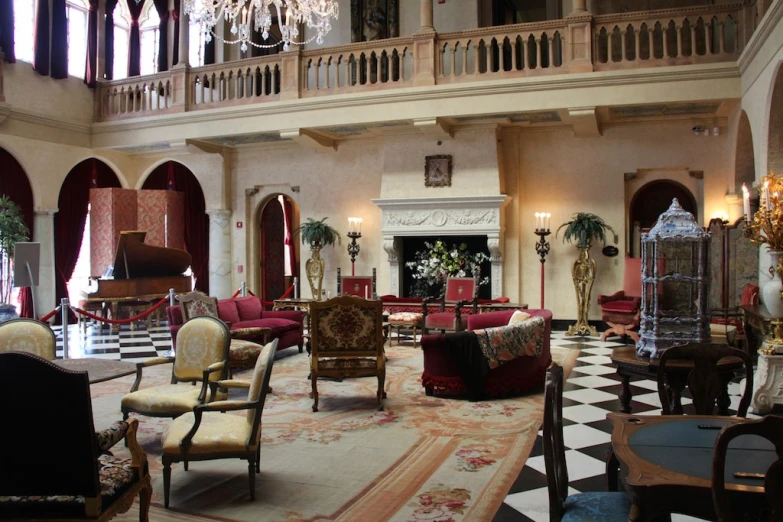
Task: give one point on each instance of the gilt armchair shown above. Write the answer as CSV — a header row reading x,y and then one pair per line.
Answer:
x,y
458,292
76,479
347,341
201,358
28,335
206,434
621,311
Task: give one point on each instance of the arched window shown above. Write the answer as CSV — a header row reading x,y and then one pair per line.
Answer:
x,y
195,45
121,40
24,29
149,26
77,12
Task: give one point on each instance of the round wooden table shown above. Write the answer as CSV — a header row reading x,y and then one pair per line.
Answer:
x,y
629,364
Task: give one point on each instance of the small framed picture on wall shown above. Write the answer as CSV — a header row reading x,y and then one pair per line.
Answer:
x,y
437,171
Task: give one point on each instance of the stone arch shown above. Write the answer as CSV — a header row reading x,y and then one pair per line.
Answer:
x,y
650,201
775,129
744,159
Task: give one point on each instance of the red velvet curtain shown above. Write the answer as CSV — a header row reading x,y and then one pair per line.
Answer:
x,y
90,72
134,44
59,63
161,6
175,17
175,176
288,212
41,39
7,30
71,217
15,185
109,29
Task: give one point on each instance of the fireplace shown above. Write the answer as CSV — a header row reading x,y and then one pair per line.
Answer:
x,y
460,216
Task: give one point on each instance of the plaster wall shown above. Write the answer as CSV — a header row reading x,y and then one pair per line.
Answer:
x,y
65,100
560,174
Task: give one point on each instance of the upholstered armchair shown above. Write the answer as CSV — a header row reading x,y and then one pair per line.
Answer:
x,y
76,479
622,310
28,335
459,291
201,358
206,434
347,341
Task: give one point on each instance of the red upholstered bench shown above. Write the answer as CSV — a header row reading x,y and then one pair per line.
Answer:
x,y
442,376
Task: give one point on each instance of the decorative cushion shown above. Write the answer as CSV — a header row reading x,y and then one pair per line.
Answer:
x,y
445,320
167,398
517,317
243,352
218,432
603,506
200,308
405,318
227,310
505,343
249,308
335,364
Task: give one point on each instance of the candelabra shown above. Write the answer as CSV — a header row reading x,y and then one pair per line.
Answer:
x,y
354,232
542,246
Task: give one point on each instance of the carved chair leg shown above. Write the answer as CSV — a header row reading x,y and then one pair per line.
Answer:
x,y
166,482
145,494
252,477
314,393
258,457
612,466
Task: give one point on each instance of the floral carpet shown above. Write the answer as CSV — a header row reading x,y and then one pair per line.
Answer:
x,y
421,459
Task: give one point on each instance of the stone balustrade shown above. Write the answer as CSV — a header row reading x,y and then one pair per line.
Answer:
x,y
691,35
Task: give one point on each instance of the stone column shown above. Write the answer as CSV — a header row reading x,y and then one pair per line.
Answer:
x,y
220,253
426,16
44,293
184,25
579,6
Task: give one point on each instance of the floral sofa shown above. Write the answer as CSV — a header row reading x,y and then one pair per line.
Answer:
x,y
248,312
451,360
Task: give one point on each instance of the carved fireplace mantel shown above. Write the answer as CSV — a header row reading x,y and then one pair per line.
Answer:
x,y
451,216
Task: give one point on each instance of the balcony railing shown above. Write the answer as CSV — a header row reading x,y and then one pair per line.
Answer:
x,y
683,36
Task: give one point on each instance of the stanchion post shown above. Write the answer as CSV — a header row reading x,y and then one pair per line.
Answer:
x,y
243,289
172,297
64,309
296,288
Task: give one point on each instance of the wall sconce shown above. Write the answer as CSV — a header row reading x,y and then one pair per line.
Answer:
x,y
542,246
354,232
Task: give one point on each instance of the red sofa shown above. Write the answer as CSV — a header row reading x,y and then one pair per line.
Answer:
x,y
248,312
393,304
442,375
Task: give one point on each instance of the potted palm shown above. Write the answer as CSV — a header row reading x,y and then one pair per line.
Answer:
x,y
12,231
583,229
317,234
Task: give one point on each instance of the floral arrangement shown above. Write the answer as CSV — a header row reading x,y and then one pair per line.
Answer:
x,y
439,261
766,225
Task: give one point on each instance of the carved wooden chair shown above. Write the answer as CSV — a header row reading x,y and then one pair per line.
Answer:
x,y
605,506
360,286
80,481
769,429
28,335
347,341
458,292
704,381
196,304
206,434
621,311
201,358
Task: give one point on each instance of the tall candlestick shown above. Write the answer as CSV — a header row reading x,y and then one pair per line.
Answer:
x,y
746,202
547,218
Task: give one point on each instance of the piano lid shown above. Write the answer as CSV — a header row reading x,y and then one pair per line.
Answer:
x,y
136,259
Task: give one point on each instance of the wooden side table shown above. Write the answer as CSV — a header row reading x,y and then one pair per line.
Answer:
x,y
629,364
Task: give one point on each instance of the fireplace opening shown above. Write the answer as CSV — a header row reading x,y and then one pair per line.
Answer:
x,y
410,245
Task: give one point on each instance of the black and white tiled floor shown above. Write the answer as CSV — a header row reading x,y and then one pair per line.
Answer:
x,y
590,392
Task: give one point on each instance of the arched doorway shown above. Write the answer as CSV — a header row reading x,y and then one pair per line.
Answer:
x,y
175,176
652,200
15,184
71,217
775,141
278,252
744,159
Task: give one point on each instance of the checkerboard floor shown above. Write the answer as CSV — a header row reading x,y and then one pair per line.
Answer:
x,y
590,392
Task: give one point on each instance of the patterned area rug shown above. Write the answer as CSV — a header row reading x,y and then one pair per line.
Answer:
x,y
422,458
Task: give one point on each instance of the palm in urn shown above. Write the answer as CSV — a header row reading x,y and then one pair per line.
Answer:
x,y
583,229
317,234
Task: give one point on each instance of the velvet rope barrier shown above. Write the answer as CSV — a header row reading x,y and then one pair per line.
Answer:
x,y
236,294
285,294
122,321
49,315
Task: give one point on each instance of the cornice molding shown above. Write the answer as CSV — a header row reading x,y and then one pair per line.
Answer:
x,y
726,70
39,119
769,23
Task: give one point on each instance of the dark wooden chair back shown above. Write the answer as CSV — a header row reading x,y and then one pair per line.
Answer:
x,y
704,380
554,446
44,404
771,429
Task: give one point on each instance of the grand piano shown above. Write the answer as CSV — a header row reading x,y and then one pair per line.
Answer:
x,y
142,273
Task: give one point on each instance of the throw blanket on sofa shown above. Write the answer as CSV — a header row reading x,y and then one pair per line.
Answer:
x,y
505,343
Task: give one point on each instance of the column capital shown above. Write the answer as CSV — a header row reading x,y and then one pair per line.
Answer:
x,y
218,213
46,211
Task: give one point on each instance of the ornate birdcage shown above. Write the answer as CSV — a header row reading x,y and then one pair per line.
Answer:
x,y
675,283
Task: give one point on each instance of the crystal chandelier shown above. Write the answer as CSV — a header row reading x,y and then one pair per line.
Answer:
x,y
244,15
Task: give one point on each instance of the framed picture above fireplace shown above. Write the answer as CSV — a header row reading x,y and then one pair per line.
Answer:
x,y
437,171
